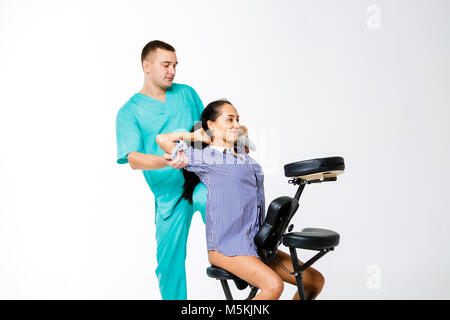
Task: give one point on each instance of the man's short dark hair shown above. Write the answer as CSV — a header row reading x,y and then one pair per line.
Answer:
x,y
152,46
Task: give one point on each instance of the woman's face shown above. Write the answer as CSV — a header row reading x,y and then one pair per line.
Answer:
x,y
226,127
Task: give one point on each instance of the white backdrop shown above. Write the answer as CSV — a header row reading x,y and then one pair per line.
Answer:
x,y
366,80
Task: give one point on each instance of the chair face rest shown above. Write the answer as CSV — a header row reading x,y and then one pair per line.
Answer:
x,y
312,239
329,167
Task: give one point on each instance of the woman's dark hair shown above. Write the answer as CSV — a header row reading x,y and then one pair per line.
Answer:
x,y
191,180
211,112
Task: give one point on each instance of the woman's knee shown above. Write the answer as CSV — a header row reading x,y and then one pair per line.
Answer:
x,y
273,287
317,280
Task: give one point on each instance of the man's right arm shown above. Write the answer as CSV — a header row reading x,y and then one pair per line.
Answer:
x,y
130,146
142,161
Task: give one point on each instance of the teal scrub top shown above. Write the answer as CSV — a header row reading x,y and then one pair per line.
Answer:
x,y
138,122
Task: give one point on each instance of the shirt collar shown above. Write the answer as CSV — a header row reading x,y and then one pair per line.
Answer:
x,y
224,150
218,148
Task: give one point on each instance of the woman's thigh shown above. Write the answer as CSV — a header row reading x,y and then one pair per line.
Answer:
x,y
248,268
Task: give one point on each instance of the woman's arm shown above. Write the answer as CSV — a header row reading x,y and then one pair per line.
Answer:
x,y
167,141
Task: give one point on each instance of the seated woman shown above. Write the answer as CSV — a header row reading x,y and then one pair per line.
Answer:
x,y
235,206
192,182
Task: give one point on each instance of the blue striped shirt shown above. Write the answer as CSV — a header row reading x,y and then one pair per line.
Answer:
x,y
235,204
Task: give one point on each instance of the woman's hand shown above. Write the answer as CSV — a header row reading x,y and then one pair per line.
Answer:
x,y
200,135
179,162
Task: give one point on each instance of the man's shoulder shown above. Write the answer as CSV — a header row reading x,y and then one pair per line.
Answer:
x,y
134,101
128,106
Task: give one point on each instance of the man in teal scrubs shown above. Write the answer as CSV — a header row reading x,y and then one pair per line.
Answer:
x,y
160,107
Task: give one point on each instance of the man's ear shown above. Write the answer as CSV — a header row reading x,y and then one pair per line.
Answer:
x,y
146,66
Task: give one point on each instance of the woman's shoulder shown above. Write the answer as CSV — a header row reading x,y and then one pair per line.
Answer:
x,y
257,167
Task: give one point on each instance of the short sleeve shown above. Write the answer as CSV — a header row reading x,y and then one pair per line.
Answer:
x,y
128,133
196,157
198,104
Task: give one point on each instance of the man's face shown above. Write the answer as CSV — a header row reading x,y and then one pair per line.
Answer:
x,y
159,67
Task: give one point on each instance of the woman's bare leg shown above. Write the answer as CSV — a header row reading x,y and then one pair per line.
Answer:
x,y
313,280
252,270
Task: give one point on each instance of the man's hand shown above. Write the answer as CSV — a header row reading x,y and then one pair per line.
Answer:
x,y
179,162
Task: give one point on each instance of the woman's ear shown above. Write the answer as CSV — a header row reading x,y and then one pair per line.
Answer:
x,y
210,125
210,131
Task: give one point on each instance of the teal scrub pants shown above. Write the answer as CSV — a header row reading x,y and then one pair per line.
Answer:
x,y
171,238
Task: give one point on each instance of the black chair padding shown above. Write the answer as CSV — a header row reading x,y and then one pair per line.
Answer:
x,y
312,238
221,274
241,284
278,216
305,167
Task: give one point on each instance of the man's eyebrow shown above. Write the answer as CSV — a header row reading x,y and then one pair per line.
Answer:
x,y
169,62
